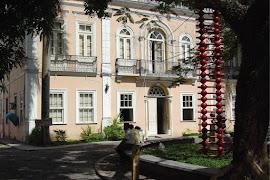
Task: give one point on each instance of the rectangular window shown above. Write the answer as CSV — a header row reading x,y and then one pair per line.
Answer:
x,y
57,106
21,107
85,40
126,105
187,106
57,39
86,106
233,99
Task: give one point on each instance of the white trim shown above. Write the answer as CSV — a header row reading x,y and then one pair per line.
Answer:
x,y
180,42
193,106
133,93
64,92
132,43
93,24
231,105
21,100
94,105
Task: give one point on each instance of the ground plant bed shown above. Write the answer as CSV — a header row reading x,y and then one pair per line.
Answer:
x,y
189,153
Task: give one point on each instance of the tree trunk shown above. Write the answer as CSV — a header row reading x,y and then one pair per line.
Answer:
x,y
45,96
250,158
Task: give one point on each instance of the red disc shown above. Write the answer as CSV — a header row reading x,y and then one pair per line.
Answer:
x,y
217,43
219,118
218,92
217,49
203,74
203,61
202,31
218,67
217,31
203,56
219,105
203,68
220,143
203,111
205,143
220,149
217,37
220,130
202,43
202,49
217,55
203,86
204,124
204,98
218,80
204,117
203,80
202,37
219,98
218,86
219,136
203,105
218,62
216,25
219,111
218,73
203,93
216,18
204,136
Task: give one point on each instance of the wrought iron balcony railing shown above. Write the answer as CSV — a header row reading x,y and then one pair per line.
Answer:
x,y
149,68
73,64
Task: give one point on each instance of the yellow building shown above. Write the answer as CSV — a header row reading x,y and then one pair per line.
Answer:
x,y
100,67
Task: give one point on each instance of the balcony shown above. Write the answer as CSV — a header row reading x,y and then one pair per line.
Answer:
x,y
146,69
73,65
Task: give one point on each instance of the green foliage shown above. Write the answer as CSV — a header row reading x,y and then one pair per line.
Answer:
x,y
94,137
60,135
35,137
96,6
187,132
114,132
18,18
189,153
86,131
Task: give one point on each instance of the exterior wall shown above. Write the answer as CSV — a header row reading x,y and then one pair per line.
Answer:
x,y
105,49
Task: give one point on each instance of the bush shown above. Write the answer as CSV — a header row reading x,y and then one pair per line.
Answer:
x,y
114,132
86,132
60,135
94,137
35,137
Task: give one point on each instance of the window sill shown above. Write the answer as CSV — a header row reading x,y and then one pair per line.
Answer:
x,y
188,120
85,123
59,123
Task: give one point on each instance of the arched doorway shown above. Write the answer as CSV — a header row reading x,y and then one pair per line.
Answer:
x,y
158,118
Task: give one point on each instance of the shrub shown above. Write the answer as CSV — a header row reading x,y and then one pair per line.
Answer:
x,y
86,132
94,137
114,132
35,137
60,135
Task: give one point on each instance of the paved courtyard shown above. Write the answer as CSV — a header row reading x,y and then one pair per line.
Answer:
x,y
65,163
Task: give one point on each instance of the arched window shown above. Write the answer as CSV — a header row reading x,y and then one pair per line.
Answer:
x,y
156,46
186,47
125,40
156,91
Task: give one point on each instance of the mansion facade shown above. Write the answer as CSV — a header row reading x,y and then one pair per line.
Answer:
x,y
101,67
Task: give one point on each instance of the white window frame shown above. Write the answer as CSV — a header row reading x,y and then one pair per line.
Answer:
x,y
21,107
93,35
163,42
181,54
130,92
193,106
94,105
232,104
54,34
64,92
131,37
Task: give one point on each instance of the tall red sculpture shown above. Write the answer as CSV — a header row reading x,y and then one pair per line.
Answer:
x,y
210,66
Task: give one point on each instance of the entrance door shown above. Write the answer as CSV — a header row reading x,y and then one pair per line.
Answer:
x,y
152,110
